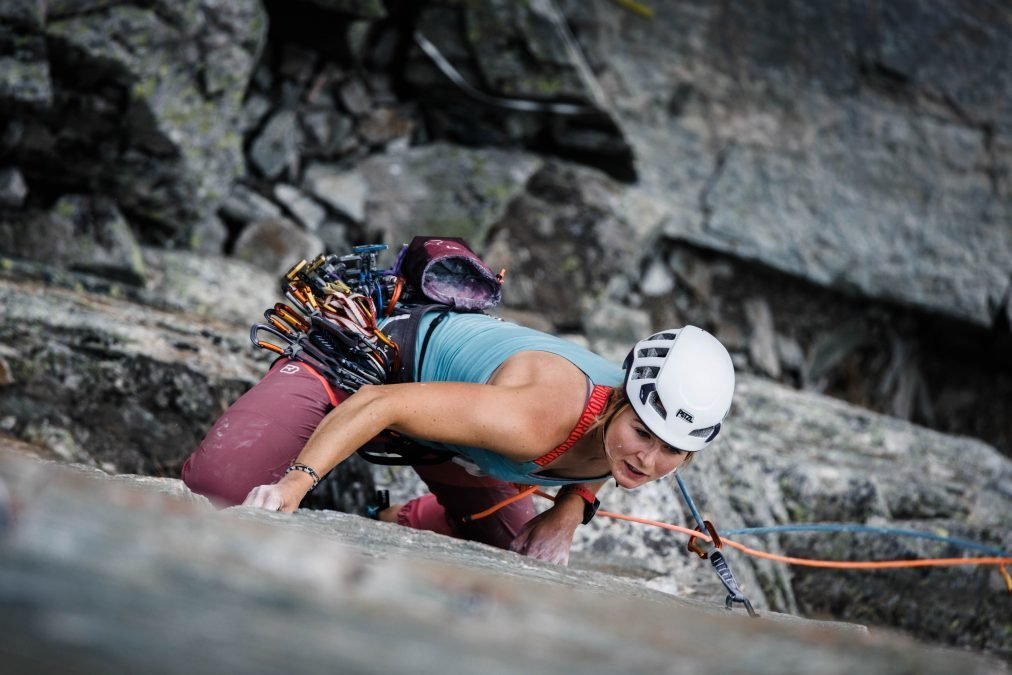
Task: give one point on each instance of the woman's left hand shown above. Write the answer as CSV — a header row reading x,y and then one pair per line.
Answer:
x,y
549,535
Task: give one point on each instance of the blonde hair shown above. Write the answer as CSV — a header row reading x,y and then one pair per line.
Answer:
x,y
616,404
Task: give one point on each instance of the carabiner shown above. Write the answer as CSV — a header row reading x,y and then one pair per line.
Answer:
x,y
714,539
395,295
291,317
292,343
293,272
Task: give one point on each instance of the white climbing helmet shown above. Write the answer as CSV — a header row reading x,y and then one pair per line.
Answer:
x,y
680,383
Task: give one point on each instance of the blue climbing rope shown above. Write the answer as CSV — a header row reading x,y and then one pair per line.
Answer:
x,y
869,529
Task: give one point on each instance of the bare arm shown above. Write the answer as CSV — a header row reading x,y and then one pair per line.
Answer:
x,y
518,421
549,535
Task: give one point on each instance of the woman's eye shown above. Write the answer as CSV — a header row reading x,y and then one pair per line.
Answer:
x,y
642,433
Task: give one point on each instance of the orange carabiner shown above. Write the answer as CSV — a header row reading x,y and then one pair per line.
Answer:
x,y
290,316
714,539
281,326
270,346
395,295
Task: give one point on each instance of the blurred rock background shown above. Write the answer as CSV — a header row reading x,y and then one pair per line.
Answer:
x,y
825,186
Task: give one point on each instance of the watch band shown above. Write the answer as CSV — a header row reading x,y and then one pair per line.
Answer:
x,y
590,501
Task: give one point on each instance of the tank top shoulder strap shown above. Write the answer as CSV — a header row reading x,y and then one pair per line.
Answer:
x,y
595,404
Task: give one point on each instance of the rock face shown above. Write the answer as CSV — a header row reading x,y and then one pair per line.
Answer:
x,y
564,232
86,557
846,160
827,136
443,190
112,383
824,137
137,102
514,75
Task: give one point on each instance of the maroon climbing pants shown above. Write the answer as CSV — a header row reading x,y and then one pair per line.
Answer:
x,y
254,441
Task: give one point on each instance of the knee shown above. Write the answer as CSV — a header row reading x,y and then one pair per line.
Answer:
x,y
203,477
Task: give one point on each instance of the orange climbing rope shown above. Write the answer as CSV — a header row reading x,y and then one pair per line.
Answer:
x,y
998,561
523,492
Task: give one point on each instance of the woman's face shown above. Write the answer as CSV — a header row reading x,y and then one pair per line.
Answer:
x,y
635,455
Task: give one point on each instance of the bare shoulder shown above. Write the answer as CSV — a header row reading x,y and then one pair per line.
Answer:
x,y
542,369
528,407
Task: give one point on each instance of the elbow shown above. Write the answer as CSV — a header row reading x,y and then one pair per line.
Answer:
x,y
369,395
373,403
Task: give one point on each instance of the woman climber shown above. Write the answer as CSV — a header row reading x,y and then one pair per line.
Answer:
x,y
513,406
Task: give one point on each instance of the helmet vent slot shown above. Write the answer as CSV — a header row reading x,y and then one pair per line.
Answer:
x,y
655,402
658,352
664,336
701,433
645,372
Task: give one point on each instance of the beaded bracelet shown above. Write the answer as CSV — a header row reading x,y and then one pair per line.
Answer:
x,y
297,466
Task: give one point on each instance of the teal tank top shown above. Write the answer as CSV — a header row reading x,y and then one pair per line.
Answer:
x,y
469,348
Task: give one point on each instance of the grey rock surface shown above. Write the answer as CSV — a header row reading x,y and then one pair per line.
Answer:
x,y
276,244
847,160
24,74
194,284
306,211
113,383
79,232
498,67
158,131
88,557
564,232
245,206
131,387
13,189
827,136
275,151
442,190
345,191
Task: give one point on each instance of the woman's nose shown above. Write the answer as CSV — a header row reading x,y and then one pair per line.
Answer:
x,y
648,456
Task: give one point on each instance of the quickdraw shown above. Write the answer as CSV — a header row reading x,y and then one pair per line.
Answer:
x,y
705,530
720,566
331,321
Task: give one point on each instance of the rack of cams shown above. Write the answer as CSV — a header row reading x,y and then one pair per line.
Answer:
x,y
331,321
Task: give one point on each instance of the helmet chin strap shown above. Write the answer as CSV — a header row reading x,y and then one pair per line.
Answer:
x,y
720,566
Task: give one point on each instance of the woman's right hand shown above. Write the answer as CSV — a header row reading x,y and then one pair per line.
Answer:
x,y
284,496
